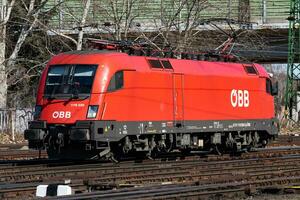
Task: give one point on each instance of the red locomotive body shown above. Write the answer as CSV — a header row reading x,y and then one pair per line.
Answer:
x,y
91,103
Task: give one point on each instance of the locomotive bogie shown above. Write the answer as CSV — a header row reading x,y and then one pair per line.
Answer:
x,y
95,137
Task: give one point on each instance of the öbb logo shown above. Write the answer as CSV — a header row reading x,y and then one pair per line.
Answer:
x,y
61,114
240,98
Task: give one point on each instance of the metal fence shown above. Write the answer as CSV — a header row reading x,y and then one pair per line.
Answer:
x,y
14,121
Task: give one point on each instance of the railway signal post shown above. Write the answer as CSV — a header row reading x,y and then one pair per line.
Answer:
x,y
292,96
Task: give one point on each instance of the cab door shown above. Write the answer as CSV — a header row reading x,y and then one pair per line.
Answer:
x,y
178,99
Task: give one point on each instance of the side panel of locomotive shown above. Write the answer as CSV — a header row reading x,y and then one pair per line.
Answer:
x,y
195,101
201,95
145,96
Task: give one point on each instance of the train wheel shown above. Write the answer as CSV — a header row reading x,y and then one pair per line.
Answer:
x,y
218,149
117,152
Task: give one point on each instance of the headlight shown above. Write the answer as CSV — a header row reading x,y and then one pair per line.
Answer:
x,y
37,112
92,112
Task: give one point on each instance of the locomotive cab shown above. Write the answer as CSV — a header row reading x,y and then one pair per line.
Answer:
x,y
69,101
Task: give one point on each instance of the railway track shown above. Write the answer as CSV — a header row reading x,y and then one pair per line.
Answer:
x,y
20,152
17,154
20,176
13,146
186,191
257,167
286,140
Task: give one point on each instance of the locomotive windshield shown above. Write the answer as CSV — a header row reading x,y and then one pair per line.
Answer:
x,y
73,81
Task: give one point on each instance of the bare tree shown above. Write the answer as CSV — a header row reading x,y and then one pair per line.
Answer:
x,y
36,31
14,68
33,11
6,8
82,24
120,16
33,14
177,24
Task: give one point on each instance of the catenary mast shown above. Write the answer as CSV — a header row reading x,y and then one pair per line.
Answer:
x,y
292,96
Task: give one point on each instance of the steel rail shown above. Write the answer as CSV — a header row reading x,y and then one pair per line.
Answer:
x,y
180,172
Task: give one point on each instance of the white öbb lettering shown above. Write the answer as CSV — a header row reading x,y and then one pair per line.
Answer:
x,y
61,114
240,98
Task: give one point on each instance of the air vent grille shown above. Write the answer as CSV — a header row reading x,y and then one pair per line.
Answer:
x,y
155,64
160,64
250,69
167,64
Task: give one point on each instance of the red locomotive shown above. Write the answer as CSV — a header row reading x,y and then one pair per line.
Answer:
x,y
99,103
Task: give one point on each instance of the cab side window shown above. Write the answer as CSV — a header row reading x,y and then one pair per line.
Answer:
x,y
116,82
268,86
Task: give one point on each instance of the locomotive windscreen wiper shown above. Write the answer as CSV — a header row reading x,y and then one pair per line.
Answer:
x,y
75,91
53,92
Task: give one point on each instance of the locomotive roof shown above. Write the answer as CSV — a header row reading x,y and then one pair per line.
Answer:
x,y
141,63
90,52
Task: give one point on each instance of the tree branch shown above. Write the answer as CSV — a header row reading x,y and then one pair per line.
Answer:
x,y
82,23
